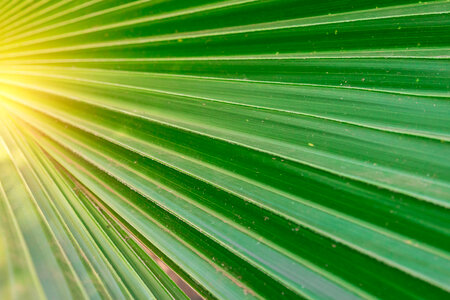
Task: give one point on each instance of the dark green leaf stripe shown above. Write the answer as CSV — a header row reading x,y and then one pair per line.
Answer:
x,y
168,149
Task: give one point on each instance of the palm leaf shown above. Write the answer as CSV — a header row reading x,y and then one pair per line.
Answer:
x,y
231,149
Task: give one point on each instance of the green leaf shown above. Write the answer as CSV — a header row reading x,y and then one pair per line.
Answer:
x,y
224,149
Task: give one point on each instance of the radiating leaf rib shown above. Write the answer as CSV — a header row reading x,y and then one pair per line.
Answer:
x,y
404,108
173,247
44,253
249,134
19,279
302,218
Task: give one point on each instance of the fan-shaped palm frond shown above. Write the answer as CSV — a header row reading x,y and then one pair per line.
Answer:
x,y
224,149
